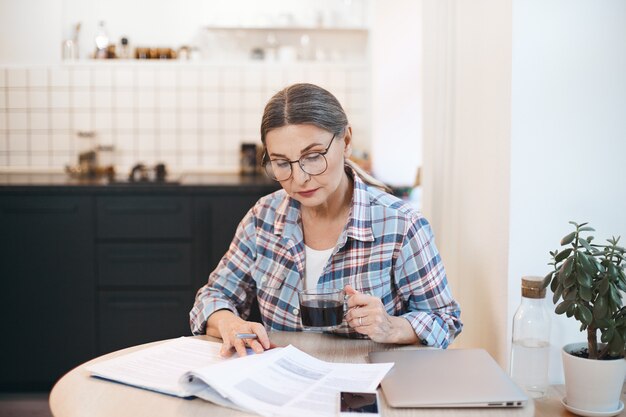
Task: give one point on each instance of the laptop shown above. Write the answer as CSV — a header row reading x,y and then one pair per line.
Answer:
x,y
435,378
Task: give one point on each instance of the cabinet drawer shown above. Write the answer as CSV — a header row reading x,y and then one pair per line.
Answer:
x,y
143,217
129,318
149,264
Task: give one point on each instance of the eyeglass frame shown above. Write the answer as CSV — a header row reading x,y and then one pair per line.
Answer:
x,y
323,154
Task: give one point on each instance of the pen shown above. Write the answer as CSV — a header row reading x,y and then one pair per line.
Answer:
x,y
246,336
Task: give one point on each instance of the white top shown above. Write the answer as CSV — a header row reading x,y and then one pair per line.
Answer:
x,y
314,263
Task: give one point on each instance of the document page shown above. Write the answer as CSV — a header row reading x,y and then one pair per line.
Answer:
x,y
160,368
288,382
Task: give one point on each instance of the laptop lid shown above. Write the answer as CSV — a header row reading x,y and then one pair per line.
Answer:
x,y
435,378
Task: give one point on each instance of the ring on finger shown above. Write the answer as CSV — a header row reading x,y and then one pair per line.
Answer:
x,y
360,321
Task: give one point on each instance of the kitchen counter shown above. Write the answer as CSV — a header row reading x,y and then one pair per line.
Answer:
x,y
175,183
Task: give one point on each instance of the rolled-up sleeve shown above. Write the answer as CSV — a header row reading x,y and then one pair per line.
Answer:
x,y
230,286
421,278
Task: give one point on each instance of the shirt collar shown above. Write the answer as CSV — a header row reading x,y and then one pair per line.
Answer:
x,y
288,222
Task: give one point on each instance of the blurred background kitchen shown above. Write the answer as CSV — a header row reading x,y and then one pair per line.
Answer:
x,y
185,83
513,109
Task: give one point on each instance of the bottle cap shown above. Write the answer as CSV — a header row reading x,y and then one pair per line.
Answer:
x,y
532,287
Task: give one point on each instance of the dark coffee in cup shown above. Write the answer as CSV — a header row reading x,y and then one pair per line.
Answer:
x,y
321,308
321,313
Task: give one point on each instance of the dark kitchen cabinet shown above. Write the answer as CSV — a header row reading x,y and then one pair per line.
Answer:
x,y
217,218
145,268
89,270
48,298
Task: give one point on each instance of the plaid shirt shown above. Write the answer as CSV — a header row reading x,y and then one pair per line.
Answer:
x,y
387,250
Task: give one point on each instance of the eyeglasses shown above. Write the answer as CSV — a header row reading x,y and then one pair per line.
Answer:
x,y
313,163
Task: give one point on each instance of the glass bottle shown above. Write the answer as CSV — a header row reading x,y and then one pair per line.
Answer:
x,y
531,339
102,42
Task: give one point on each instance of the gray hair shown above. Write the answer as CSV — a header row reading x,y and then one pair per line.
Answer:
x,y
309,104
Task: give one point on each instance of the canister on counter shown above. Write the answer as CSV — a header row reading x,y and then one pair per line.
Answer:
x,y
248,159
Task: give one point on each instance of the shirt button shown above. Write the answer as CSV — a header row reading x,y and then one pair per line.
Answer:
x,y
263,280
295,311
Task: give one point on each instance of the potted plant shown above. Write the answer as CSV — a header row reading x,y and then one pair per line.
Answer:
x,y
586,282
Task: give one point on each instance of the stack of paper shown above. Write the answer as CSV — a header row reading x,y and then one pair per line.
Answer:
x,y
278,382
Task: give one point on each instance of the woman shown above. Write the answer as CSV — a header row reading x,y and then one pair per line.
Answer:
x,y
330,226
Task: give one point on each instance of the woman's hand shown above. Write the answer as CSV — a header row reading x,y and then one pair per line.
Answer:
x,y
367,315
226,325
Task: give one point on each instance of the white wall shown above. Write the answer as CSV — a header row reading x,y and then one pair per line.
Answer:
x,y
396,39
30,31
467,69
568,135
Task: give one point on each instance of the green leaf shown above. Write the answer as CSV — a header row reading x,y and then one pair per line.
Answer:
x,y
571,310
607,335
568,239
616,345
612,269
555,282
574,223
587,246
547,279
585,314
615,296
569,294
583,279
562,255
568,265
600,308
586,264
586,293
604,286
563,307
557,294
586,229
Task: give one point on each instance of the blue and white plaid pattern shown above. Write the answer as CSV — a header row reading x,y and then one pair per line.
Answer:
x,y
386,250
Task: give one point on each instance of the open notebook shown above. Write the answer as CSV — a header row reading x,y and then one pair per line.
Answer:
x,y
279,382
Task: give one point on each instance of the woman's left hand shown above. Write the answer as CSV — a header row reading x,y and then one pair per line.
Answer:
x,y
367,315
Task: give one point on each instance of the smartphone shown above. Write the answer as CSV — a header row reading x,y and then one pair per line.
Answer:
x,y
358,404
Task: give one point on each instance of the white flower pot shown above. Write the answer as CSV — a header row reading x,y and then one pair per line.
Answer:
x,y
592,385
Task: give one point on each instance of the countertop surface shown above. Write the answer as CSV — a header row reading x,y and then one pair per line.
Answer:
x,y
62,181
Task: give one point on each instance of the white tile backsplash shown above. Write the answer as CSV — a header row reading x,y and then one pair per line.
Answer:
x,y
124,99
60,99
167,99
18,120
39,159
83,121
190,116
124,120
59,77
18,142
18,99
39,142
167,120
39,120
38,77
81,77
103,120
38,99
103,99
166,77
18,159
60,120
81,99
16,77
146,98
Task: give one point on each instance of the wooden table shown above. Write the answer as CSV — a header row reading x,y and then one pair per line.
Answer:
x,y
77,394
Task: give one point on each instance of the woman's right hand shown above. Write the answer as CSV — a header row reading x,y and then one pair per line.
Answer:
x,y
228,325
